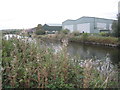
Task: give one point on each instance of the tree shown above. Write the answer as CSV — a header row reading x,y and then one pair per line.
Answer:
x,y
39,27
39,30
119,26
115,28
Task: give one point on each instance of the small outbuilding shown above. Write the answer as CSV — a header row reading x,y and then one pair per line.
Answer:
x,y
48,27
88,25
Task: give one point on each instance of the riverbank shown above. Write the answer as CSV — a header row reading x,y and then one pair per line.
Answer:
x,y
94,40
85,39
27,65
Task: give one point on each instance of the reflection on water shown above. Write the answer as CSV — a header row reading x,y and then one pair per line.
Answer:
x,y
97,52
88,51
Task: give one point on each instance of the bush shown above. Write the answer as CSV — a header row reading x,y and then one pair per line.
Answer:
x,y
84,36
65,31
76,33
105,34
40,32
27,65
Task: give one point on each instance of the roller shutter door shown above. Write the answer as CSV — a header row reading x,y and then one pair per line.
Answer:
x,y
83,27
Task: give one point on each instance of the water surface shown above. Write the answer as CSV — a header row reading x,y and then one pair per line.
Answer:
x,y
84,51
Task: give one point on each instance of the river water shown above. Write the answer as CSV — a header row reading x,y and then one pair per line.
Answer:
x,y
84,52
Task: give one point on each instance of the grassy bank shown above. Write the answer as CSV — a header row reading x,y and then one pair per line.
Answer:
x,y
84,38
27,65
107,41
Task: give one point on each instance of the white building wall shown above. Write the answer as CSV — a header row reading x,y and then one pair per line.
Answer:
x,y
69,27
101,26
83,27
110,26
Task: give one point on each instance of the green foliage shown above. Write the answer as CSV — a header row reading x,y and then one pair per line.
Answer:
x,y
84,36
105,34
39,27
95,39
103,40
65,31
28,65
31,66
40,32
115,28
102,33
76,33
11,31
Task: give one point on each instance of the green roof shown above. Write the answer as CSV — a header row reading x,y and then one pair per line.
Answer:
x,y
51,28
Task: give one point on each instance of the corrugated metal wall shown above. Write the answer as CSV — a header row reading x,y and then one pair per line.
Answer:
x,y
83,27
88,24
69,27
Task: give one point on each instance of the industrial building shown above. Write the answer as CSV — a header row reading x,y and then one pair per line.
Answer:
x,y
48,27
88,25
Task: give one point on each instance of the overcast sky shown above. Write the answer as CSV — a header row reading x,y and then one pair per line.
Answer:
x,y
28,13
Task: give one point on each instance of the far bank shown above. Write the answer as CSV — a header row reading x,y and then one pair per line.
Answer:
x,y
83,38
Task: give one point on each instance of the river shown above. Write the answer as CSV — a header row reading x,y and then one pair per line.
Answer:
x,y
84,52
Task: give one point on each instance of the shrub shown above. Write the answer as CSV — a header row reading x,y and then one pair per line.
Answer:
x,y
105,34
28,65
84,36
40,32
65,31
76,33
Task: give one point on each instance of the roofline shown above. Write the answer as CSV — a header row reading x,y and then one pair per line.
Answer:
x,y
88,17
53,25
94,17
68,20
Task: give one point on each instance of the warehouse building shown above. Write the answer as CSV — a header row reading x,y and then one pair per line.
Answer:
x,y
88,25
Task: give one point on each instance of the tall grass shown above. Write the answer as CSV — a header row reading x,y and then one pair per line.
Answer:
x,y
95,39
28,65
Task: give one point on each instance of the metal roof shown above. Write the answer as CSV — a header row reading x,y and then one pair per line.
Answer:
x,y
88,17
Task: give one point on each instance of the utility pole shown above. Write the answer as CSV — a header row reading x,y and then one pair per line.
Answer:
x,y
119,20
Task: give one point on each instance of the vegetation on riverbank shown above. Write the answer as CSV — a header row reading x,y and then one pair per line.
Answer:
x,y
27,65
84,38
110,41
